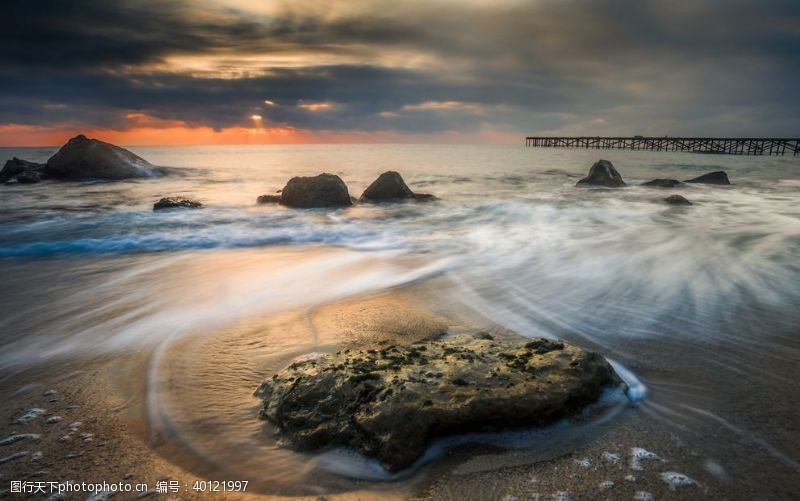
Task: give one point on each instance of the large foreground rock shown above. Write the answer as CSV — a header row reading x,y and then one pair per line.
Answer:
x,y
324,190
390,403
390,187
83,158
21,171
716,177
602,173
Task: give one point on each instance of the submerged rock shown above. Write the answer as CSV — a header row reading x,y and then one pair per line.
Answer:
x,y
268,199
390,403
663,183
716,177
177,203
677,200
390,187
602,173
83,158
324,190
21,171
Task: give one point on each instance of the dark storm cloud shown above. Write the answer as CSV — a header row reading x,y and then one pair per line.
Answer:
x,y
607,66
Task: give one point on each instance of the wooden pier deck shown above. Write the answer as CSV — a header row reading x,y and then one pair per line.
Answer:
x,y
719,145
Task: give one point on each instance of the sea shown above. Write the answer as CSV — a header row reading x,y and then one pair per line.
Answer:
x,y
699,306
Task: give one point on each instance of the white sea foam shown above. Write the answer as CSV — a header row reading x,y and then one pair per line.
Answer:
x,y
638,455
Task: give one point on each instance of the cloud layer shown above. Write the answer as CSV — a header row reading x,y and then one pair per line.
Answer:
x,y
709,67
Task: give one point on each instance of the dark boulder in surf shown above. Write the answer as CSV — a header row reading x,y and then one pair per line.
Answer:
x,y
390,403
677,200
324,190
602,173
663,183
21,171
83,158
390,187
716,177
268,199
177,203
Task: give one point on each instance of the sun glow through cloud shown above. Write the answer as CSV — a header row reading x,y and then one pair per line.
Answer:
x,y
322,106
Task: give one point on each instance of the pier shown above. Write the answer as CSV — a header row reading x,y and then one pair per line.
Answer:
x,y
712,145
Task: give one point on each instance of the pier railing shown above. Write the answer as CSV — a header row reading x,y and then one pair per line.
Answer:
x,y
720,145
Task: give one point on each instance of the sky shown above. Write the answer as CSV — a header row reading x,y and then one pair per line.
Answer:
x,y
454,71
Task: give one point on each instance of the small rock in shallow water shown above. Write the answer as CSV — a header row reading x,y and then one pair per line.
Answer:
x,y
677,200
379,402
21,171
676,480
177,203
717,177
268,199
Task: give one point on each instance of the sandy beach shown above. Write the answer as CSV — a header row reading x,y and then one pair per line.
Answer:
x,y
134,339
98,423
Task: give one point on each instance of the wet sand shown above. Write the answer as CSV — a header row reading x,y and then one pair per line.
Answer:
x,y
203,385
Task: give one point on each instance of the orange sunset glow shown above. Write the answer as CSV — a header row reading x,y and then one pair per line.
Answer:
x,y
247,72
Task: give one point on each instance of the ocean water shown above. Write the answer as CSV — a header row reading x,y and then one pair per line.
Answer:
x,y
701,303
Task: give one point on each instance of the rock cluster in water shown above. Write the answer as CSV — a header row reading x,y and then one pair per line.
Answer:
x,y
389,403
329,190
602,173
79,159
